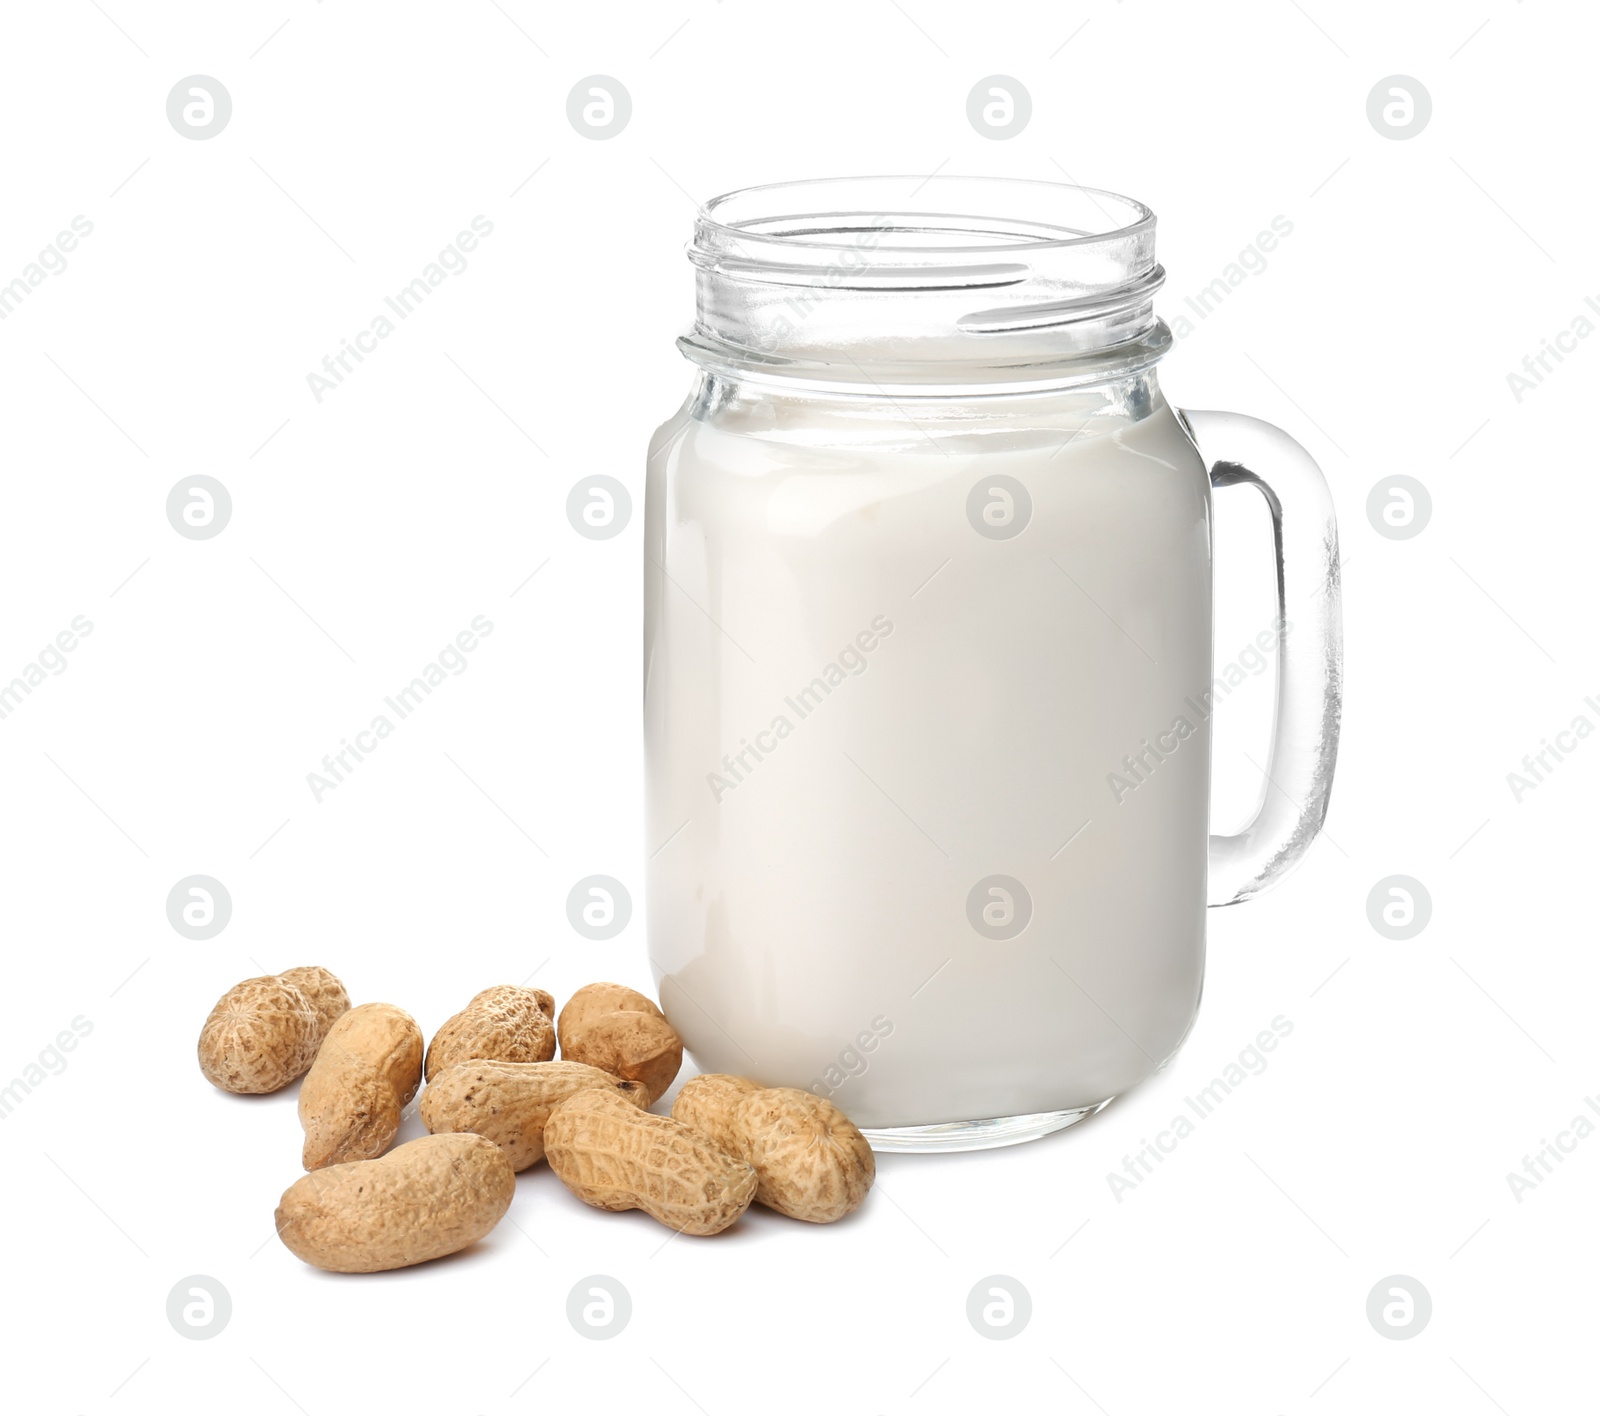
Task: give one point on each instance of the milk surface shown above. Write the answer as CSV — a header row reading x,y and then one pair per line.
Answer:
x,y
868,722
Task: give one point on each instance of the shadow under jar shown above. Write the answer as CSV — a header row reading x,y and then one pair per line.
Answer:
x,y
928,668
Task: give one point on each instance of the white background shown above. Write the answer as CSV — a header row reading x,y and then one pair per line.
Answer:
x,y
369,529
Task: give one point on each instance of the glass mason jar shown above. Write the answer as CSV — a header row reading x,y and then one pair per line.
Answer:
x,y
927,658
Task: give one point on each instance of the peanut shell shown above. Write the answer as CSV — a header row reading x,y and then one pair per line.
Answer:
x,y
622,1032
812,1162
507,1023
706,1104
324,992
615,1157
369,1067
265,1032
510,1102
425,1199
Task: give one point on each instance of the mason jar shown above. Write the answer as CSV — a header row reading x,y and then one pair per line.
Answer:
x,y
928,678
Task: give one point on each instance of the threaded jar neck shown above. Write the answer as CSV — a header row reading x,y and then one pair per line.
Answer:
x,y
979,281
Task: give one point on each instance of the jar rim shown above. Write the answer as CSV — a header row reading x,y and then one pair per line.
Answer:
x,y
894,278
1120,217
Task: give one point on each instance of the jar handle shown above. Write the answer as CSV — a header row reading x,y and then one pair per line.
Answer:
x,y
1305,734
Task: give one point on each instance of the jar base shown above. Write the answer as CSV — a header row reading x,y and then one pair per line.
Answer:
x,y
987,1134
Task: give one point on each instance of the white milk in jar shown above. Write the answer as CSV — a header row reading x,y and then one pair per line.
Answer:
x,y
928,671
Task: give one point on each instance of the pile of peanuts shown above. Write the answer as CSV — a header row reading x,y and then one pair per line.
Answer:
x,y
497,1103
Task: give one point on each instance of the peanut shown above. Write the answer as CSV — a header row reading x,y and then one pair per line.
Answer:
x,y
615,1157
811,1161
507,1023
324,992
510,1102
706,1104
621,1032
369,1067
424,1199
265,1032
